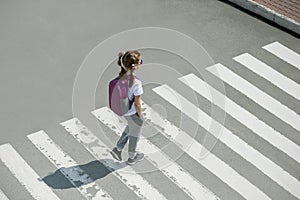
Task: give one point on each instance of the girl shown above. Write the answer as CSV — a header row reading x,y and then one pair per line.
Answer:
x,y
129,62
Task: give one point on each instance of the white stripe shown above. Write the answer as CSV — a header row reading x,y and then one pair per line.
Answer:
x,y
245,117
25,174
174,172
210,162
264,164
121,170
270,74
284,53
260,97
3,196
68,167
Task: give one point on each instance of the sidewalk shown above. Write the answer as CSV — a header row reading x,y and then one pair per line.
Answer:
x,y
285,13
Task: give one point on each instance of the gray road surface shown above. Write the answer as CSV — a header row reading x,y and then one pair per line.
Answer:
x,y
44,43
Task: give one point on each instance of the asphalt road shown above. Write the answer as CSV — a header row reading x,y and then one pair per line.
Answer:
x,y
44,44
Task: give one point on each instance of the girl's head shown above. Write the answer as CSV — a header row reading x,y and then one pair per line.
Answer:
x,y
129,60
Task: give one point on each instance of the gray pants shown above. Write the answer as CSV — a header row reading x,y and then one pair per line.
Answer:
x,y
132,132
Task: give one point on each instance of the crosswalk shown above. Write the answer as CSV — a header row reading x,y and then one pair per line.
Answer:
x,y
260,97
100,151
64,162
3,196
183,179
25,174
269,74
244,116
284,53
231,140
180,177
211,162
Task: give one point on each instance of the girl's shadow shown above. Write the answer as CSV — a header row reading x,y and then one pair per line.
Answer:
x,y
81,174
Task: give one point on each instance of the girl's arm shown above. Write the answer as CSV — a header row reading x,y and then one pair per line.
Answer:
x,y
138,105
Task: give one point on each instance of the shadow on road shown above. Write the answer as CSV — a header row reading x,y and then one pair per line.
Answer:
x,y
80,174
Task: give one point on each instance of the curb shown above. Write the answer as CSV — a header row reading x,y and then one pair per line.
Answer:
x,y
269,14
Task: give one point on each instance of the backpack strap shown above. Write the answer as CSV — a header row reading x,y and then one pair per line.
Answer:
x,y
130,101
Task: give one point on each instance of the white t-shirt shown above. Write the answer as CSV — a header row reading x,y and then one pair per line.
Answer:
x,y
135,90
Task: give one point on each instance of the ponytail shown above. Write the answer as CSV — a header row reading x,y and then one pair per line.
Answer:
x,y
126,61
120,62
131,78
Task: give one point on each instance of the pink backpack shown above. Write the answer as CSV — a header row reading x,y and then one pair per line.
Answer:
x,y
119,102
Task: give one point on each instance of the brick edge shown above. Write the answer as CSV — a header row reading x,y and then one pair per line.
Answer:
x,y
269,14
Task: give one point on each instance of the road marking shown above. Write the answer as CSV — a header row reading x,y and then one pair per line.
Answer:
x,y
260,97
69,168
270,74
3,196
284,53
245,117
174,172
264,164
210,162
25,174
100,151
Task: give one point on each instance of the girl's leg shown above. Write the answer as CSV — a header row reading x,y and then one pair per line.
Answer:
x,y
123,139
133,141
135,127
